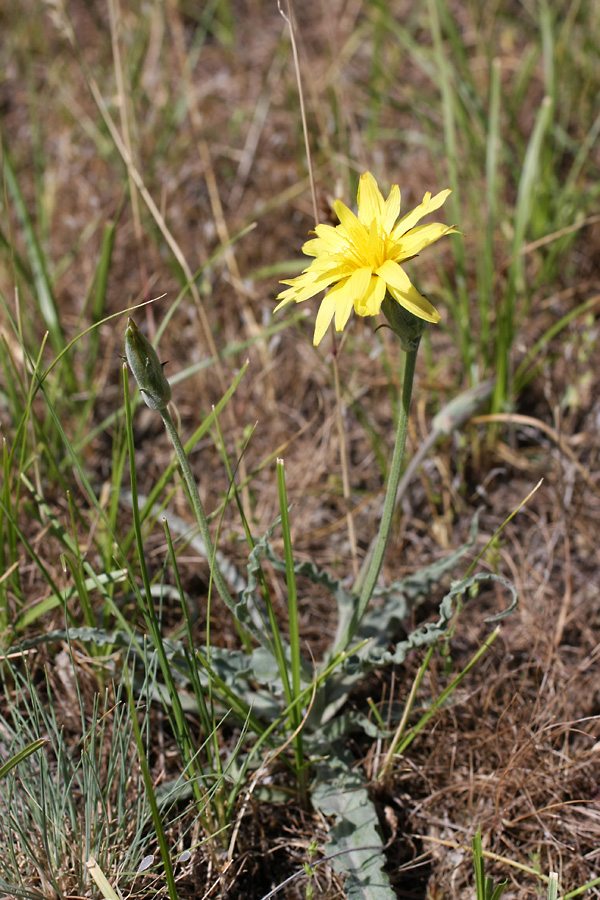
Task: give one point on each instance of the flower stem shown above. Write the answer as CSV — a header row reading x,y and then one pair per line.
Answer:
x,y
344,460
366,584
200,515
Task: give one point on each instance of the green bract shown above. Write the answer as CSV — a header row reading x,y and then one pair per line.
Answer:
x,y
404,323
146,368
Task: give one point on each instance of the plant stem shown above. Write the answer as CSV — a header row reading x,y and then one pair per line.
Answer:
x,y
198,509
367,585
344,461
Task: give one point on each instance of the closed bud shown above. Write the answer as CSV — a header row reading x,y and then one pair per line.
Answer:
x,y
146,368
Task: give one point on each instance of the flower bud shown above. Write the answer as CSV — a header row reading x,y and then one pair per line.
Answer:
x,y
147,370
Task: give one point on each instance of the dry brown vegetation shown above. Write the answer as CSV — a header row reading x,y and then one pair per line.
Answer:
x,y
216,136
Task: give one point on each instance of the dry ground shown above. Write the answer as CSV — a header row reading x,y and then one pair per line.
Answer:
x,y
517,751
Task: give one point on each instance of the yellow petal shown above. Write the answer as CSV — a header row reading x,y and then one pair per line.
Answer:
x,y
402,290
304,290
372,248
370,304
391,209
394,275
314,247
358,283
324,316
415,303
419,238
325,231
334,263
284,301
348,294
350,227
328,239
370,200
429,204
343,308
321,249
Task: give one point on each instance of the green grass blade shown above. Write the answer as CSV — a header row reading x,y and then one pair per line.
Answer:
x,y
439,701
446,81
524,373
10,764
487,280
41,568
552,886
101,880
293,625
43,289
175,710
530,177
149,784
62,598
207,719
548,49
99,296
528,182
478,866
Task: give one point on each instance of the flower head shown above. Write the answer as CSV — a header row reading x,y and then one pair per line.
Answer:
x,y
359,259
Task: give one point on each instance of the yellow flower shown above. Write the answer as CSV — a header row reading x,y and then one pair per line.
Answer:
x,y
359,260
